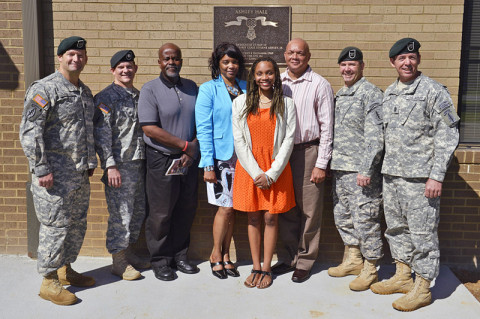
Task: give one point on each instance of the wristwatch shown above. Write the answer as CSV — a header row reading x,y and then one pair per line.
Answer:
x,y
208,168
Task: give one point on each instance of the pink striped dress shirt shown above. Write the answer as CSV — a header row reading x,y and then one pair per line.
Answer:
x,y
314,101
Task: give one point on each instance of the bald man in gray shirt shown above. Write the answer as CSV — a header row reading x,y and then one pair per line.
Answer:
x,y
166,111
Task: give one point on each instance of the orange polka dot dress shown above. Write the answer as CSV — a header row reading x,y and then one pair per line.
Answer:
x,y
279,198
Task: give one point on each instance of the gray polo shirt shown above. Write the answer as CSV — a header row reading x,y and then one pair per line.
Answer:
x,y
169,106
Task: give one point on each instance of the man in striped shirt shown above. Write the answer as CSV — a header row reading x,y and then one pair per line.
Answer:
x,y
313,96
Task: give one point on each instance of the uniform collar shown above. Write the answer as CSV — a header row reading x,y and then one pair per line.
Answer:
x,y
68,85
352,89
410,89
124,91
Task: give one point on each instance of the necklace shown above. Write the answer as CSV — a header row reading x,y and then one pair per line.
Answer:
x,y
268,101
232,89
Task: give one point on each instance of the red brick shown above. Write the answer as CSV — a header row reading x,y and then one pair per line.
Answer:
x,y
471,235
465,210
449,234
452,202
472,219
16,250
464,243
444,218
466,227
16,233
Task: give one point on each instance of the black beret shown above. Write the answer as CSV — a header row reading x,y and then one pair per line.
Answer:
x,y
120,56
72,43
350,54
405,45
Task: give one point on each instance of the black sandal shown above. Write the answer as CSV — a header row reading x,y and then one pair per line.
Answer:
x,y
251,284
265,273
221,274
232,272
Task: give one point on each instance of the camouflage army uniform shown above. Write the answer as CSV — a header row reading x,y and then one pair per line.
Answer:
x,y
357,149
119,142
420,137
57,137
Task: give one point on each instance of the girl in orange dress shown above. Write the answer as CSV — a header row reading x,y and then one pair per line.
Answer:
x,y
264,124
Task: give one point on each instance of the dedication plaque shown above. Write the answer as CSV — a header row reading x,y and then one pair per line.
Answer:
x,y
257,31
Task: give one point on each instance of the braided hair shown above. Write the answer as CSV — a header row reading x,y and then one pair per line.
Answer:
x,y
253,94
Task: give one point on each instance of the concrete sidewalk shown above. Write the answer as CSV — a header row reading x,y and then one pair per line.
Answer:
x,y
204,296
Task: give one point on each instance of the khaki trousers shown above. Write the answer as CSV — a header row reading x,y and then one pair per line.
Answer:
x,y
299,228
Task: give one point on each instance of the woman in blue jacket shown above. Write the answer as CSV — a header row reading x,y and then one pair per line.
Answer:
x,y
213,115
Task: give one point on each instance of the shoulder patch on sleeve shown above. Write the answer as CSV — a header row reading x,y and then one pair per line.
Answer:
x,y
450,117
444,105
448,113
104,108
378,116
376,112
40,100
33,112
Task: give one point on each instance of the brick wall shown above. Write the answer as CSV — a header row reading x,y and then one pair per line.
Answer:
x,y
13,168
143,25
459,228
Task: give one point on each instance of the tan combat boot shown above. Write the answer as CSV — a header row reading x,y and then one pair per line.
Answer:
x,y
136,261
122,268
419,296
68,276
401,282
367,276
51,289
352,263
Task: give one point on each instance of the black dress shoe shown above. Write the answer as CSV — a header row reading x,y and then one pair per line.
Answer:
x,y
232,272
300,275
282,268
221,274
164,273
187,268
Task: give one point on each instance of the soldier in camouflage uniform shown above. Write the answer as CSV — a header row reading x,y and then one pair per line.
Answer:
x,y
421,135
356,160
56,133
120,147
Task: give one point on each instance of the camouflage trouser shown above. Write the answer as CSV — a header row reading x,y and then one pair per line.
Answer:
x,y
126,206
412,224
357,212
62,213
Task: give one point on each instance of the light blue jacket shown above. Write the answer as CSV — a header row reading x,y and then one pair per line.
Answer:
x,y
213,115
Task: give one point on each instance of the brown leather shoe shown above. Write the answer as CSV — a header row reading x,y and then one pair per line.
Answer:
x,y
300,275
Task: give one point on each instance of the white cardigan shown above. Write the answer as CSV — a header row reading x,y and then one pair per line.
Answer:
x,y
282,145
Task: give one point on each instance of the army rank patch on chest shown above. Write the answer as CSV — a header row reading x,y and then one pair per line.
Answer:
x,y
104,108
40,100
